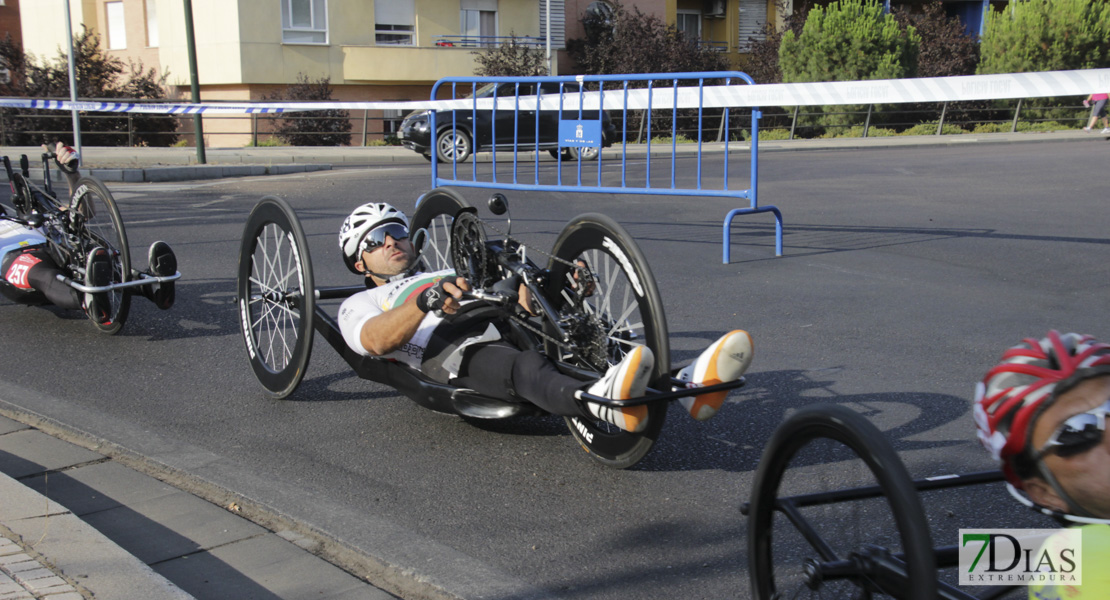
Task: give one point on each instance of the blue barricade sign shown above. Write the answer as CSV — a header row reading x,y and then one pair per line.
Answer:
x,y
580,134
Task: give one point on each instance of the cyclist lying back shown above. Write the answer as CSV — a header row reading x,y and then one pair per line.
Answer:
x,y
397,318
28,274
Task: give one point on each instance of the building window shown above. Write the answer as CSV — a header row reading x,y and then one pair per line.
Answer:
x,y
117,30
304,21
478,22
394,23
689,23
391,119
152,23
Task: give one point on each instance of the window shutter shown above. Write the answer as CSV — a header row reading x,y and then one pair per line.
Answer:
x,y
558,23
753,16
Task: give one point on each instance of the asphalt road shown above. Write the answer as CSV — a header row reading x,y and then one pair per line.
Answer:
x,y
906,273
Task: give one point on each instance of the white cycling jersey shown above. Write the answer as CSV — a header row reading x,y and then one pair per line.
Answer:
x,y
363,306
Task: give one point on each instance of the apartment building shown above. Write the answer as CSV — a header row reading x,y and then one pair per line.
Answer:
x,y
370,49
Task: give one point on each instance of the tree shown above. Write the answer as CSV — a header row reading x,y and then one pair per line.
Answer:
x,y
946,50
1047,35
848,40
99,76
628,41
514,59
331,127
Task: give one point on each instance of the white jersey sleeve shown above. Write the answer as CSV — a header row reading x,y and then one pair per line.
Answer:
x,y
363,306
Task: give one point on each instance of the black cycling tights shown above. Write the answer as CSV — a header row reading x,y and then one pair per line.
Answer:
x,y
499,370
43,278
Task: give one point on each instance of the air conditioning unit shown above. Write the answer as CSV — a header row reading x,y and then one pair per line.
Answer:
x,y
715,9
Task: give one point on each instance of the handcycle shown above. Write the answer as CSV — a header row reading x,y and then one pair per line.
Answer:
x,y
595,298
893,556
72,228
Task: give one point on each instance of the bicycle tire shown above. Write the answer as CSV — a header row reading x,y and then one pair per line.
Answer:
x,y
609,251
100,224
22,198
852,430
276,296
435,213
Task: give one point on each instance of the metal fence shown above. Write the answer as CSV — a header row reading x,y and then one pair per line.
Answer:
x,y
540,114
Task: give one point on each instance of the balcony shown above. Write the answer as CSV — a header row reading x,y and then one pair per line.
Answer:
x,y
451,56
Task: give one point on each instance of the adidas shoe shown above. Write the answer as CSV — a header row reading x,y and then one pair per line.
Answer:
x,y
163,262
98,273
725,360
626,379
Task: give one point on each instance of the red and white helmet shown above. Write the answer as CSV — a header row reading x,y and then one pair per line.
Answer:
x,y
359,223
1028,380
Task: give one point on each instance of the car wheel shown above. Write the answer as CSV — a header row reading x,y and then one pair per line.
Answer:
x,y
587,153
555,152
427,156
453,146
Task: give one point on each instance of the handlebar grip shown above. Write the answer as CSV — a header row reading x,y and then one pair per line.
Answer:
x,y
25,166
8,167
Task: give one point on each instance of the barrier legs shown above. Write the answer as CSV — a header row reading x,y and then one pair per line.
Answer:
x,y
751,211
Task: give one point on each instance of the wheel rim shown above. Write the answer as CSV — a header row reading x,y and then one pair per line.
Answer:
x,y
452,146
276,287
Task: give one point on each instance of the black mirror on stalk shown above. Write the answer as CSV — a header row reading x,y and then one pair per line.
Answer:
x,y
499,205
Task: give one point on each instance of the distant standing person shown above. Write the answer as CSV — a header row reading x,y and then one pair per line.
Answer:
x,y
1098,110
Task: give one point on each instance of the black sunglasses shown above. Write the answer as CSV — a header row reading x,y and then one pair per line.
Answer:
x,y
1078,434
376,237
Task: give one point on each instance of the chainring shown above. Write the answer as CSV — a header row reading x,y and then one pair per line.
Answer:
x,y
469,253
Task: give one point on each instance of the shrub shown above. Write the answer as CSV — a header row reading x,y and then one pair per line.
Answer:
x,y
512,59
99,76
331,127
762,62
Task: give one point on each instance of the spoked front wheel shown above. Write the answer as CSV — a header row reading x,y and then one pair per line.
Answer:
x,y
809,538
95,221
276,296
435,213
608,303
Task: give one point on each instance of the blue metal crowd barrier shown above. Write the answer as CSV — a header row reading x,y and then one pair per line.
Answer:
x,y
581,106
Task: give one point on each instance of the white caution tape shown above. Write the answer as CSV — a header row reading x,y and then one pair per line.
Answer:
x,y
667,95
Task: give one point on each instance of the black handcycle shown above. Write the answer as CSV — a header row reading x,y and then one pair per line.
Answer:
x,y
594,299
74,226
867,537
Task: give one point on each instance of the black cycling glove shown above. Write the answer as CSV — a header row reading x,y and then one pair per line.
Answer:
x,y
433,298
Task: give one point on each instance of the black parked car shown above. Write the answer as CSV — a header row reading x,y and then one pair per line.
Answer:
x,y
471,135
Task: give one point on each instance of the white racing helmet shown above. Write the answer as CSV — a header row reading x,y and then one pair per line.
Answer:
x,y
359,223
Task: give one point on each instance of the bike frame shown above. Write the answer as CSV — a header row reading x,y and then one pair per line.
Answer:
x,y
450,399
